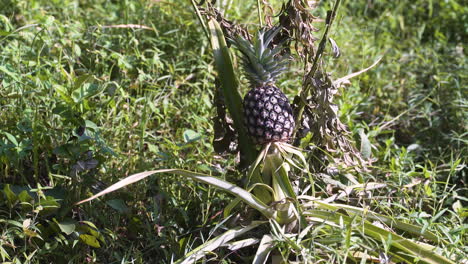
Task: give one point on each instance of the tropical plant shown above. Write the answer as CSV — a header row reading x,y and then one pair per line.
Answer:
x,y
294,218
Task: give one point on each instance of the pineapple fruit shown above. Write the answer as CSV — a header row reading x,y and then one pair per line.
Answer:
x,y
267,112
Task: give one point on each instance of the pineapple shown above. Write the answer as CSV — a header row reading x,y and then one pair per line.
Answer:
x,y
267,112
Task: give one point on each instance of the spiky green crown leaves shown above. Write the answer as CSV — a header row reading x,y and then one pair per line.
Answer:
x,y
261,63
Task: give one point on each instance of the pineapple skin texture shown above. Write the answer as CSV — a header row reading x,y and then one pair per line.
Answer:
x,y
268,115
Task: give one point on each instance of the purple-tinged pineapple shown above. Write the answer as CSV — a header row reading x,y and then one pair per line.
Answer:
x,y
267,112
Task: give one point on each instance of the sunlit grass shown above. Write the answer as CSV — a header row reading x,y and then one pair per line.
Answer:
x,y
83,104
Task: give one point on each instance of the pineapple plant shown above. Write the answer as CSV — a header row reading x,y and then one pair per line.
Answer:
x,y
267,113
269,122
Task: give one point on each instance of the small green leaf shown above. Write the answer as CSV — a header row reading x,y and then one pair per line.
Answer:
x,y
191,136
4,253
86,227
25,200
66,226
366,147
64,110
88,224
457,207
119,205
153,148
85,91
90,240
80,80
30,233
335,48
91,124
49,205
24,196
63,93
11,196
11,138
7,71
77,50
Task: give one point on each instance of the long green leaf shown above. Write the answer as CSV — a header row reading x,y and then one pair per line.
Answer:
x,y
230,89
236,245
216,242
398,243
247,197
235,202
253,176
264,249
256,177
412,229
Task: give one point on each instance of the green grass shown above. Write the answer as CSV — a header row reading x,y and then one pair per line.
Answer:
x,y
83,104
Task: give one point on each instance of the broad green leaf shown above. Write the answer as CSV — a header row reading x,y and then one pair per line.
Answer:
x,y
259,193
216,242
277,168
285,182
88,224
13,96
287,149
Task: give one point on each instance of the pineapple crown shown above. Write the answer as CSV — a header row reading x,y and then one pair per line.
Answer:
x,y
261,63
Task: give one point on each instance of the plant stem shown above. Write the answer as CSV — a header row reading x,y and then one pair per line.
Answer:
x,y
318,55
259,11
202,22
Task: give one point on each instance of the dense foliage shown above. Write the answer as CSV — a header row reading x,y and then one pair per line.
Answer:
x,y
92,91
